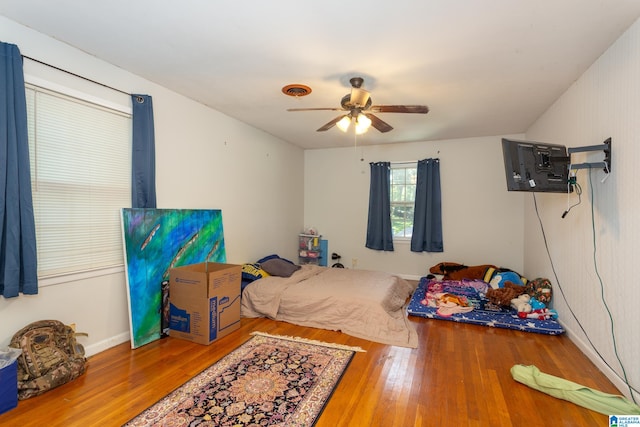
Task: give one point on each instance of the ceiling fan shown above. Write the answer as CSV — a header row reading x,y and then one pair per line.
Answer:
x,y
360,110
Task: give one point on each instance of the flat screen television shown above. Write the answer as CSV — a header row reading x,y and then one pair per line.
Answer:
x,y
535,166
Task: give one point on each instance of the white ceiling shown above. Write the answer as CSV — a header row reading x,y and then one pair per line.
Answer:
x,y
484,67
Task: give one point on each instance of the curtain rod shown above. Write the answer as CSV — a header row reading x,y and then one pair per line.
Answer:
x,y
76,75
409,162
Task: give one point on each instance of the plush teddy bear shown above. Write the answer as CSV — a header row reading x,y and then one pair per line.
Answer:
x,y
503,296
521,304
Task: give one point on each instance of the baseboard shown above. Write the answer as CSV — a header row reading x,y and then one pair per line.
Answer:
x,y
586,348
103,345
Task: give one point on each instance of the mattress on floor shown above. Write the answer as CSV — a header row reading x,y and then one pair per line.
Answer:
x,y
480,311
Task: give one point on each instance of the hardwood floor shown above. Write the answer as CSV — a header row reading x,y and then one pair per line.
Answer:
x,y
459,376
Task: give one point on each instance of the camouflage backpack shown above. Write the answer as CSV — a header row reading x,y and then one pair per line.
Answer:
x,y
50,357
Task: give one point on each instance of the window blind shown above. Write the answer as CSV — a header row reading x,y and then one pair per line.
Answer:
x,y
80,155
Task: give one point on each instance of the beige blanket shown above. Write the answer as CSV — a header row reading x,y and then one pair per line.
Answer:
x,y
361,303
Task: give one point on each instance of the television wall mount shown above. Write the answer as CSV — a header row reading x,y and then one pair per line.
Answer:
x,y
605,164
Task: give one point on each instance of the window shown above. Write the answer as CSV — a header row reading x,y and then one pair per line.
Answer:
x,y
80,156
403,194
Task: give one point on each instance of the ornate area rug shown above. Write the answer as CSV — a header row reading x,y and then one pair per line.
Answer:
x,y
269,380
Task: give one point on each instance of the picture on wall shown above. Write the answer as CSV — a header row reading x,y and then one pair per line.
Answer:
x,y
156,240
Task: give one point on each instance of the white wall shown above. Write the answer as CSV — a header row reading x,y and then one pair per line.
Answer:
x,y
604,102
482,222
204,159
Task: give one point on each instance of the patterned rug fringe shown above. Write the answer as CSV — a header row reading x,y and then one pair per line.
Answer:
x,y
308,341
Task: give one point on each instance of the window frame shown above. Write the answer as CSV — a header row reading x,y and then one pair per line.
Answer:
x,y
409,165
36,82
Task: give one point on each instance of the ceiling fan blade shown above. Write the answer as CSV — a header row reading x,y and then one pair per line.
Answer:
x,y
316,109
420,109
331,124
381,125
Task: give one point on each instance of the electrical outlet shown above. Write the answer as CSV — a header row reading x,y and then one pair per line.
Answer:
x,y
354,262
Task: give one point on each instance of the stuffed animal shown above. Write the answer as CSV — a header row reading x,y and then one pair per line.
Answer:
x,y
540,314
485,272
500,278
503,296
521,304
536,305
538,310
455,271
540,288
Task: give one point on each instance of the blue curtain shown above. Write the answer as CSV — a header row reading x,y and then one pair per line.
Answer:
x,y
143,179
427,219
379,234
18,259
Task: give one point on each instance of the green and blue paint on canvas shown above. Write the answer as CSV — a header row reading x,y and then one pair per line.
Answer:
x,y
155,241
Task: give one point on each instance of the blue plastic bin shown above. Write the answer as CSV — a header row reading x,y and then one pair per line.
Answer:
x,y
8,379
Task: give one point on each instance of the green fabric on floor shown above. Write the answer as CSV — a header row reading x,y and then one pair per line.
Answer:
x,y
608,404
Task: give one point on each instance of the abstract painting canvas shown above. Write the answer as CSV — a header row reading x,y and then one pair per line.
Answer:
x,y
156,240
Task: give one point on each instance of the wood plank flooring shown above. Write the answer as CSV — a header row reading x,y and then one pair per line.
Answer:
x,y
459,376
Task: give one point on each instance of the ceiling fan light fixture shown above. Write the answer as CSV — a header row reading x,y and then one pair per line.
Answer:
x,y
343,123
363,123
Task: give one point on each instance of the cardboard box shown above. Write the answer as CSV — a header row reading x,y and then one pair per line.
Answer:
x,y
9,387
204,301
